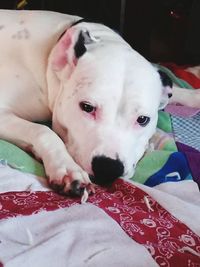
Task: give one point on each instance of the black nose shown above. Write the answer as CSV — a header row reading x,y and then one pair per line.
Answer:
x,y
106,170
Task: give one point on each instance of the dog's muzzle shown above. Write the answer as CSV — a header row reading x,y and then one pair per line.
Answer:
x,y
106,170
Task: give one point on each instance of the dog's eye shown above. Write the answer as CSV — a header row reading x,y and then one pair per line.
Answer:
x,y
87,107
143,120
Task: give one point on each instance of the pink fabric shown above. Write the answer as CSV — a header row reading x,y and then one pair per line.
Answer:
x,y
182,111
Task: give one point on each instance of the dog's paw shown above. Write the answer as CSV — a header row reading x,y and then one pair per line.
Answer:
x,y
73,183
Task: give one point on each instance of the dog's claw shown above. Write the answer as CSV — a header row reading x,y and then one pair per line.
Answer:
x,y
76,188
84,197
75,183
90,188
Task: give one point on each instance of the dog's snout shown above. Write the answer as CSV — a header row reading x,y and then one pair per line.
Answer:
x,y
106,170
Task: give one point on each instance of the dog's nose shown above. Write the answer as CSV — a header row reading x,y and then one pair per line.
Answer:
x,y
106,170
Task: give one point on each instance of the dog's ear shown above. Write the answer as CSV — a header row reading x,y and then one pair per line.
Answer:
x,y
70,47
166,89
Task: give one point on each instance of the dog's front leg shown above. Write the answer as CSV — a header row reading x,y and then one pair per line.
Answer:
x,y
186,97
63,173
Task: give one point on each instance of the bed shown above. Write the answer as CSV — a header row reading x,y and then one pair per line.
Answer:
x,y
151,220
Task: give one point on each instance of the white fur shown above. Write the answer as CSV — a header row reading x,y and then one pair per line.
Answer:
x,y
120,83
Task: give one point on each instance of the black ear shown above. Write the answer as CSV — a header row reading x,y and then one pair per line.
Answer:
x,y
166,81
83,39
166,89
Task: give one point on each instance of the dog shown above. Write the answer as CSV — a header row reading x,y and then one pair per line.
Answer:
x,y
101,96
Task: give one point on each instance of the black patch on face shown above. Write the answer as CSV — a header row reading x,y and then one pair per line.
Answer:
x,y
106,170
166,81
169,95
79,47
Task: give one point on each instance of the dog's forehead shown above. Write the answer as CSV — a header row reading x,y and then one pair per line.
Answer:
x,y
119,78
142,78
125,72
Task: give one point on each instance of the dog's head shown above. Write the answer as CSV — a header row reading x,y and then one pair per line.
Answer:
x,y
107,100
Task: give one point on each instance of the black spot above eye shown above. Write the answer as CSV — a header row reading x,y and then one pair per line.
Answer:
x,y
87,107
166,80
143,120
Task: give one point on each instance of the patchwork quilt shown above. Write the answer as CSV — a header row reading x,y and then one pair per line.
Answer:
x,y
151,220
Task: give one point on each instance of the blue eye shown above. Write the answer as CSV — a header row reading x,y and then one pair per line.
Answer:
x,y
143,120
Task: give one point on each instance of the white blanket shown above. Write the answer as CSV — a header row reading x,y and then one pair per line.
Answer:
x,y
84,235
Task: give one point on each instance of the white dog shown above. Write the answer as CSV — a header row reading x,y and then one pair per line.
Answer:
x,y
101,95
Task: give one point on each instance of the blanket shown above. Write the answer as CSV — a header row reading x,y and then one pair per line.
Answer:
x,y
151,220
128,224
